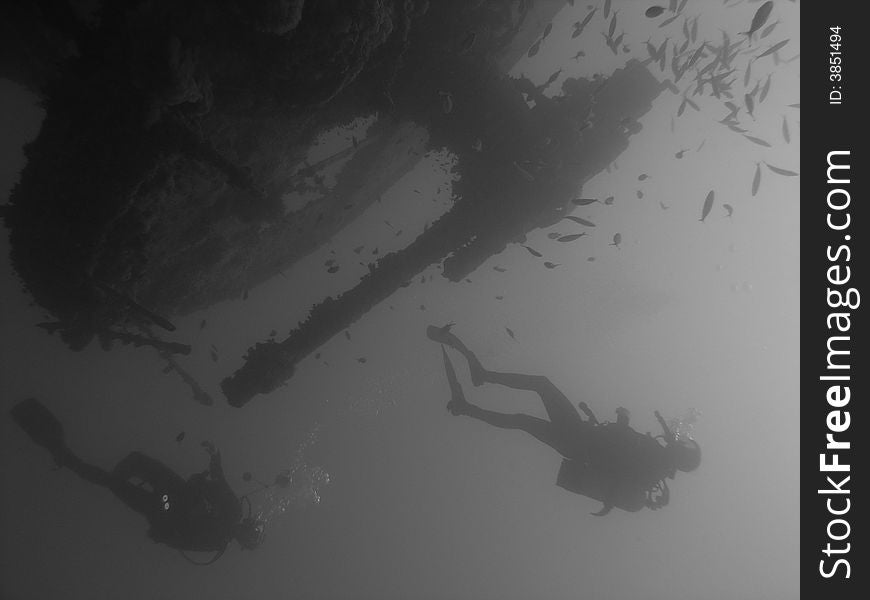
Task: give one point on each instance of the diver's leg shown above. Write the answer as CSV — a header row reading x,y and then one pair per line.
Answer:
x,y
559,408
142,501
149,470
540,429
88,472
443,335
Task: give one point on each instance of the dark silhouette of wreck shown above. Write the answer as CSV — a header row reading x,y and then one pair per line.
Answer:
x,y
156,184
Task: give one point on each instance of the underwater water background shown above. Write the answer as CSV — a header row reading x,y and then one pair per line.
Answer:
x,y
391,496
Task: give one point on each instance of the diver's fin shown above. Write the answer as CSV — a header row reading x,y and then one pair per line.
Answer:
x,y
42,426
458,403
456,393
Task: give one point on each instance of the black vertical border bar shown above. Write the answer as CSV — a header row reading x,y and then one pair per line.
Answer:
x,y
832,127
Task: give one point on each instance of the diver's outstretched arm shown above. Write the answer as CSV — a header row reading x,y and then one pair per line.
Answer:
x,y
215,468
669,436
588,412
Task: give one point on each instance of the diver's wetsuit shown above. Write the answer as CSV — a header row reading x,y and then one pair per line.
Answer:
x,y
198,514
627,462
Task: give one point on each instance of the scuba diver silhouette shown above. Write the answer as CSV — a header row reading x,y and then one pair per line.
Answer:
x,y
609,462
200,514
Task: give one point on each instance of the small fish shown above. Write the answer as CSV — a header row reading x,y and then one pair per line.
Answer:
x,y
422,307
316,356
617,240
214,356
639,195
547,30
245,295
554,235
651,49
759,19
332,269
550,265
608,201
750,104
499,297
534,49
756,140
579,55
661,50
654,11
580,221
499,269
578,27
642,177
570,238
747,74
358,249
697,54
683,46
756,180
764,90
663,205
584,201
202,324
785,133
779,171
682,6
525,174
533,252
510,333
672,5
773,49
728,209
347,334
668,21
446,102
708,205
273,333
552,78
682,107
694,30
606,8
361,359
612,28
670,85
767,30
179,437
680,153
591,259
